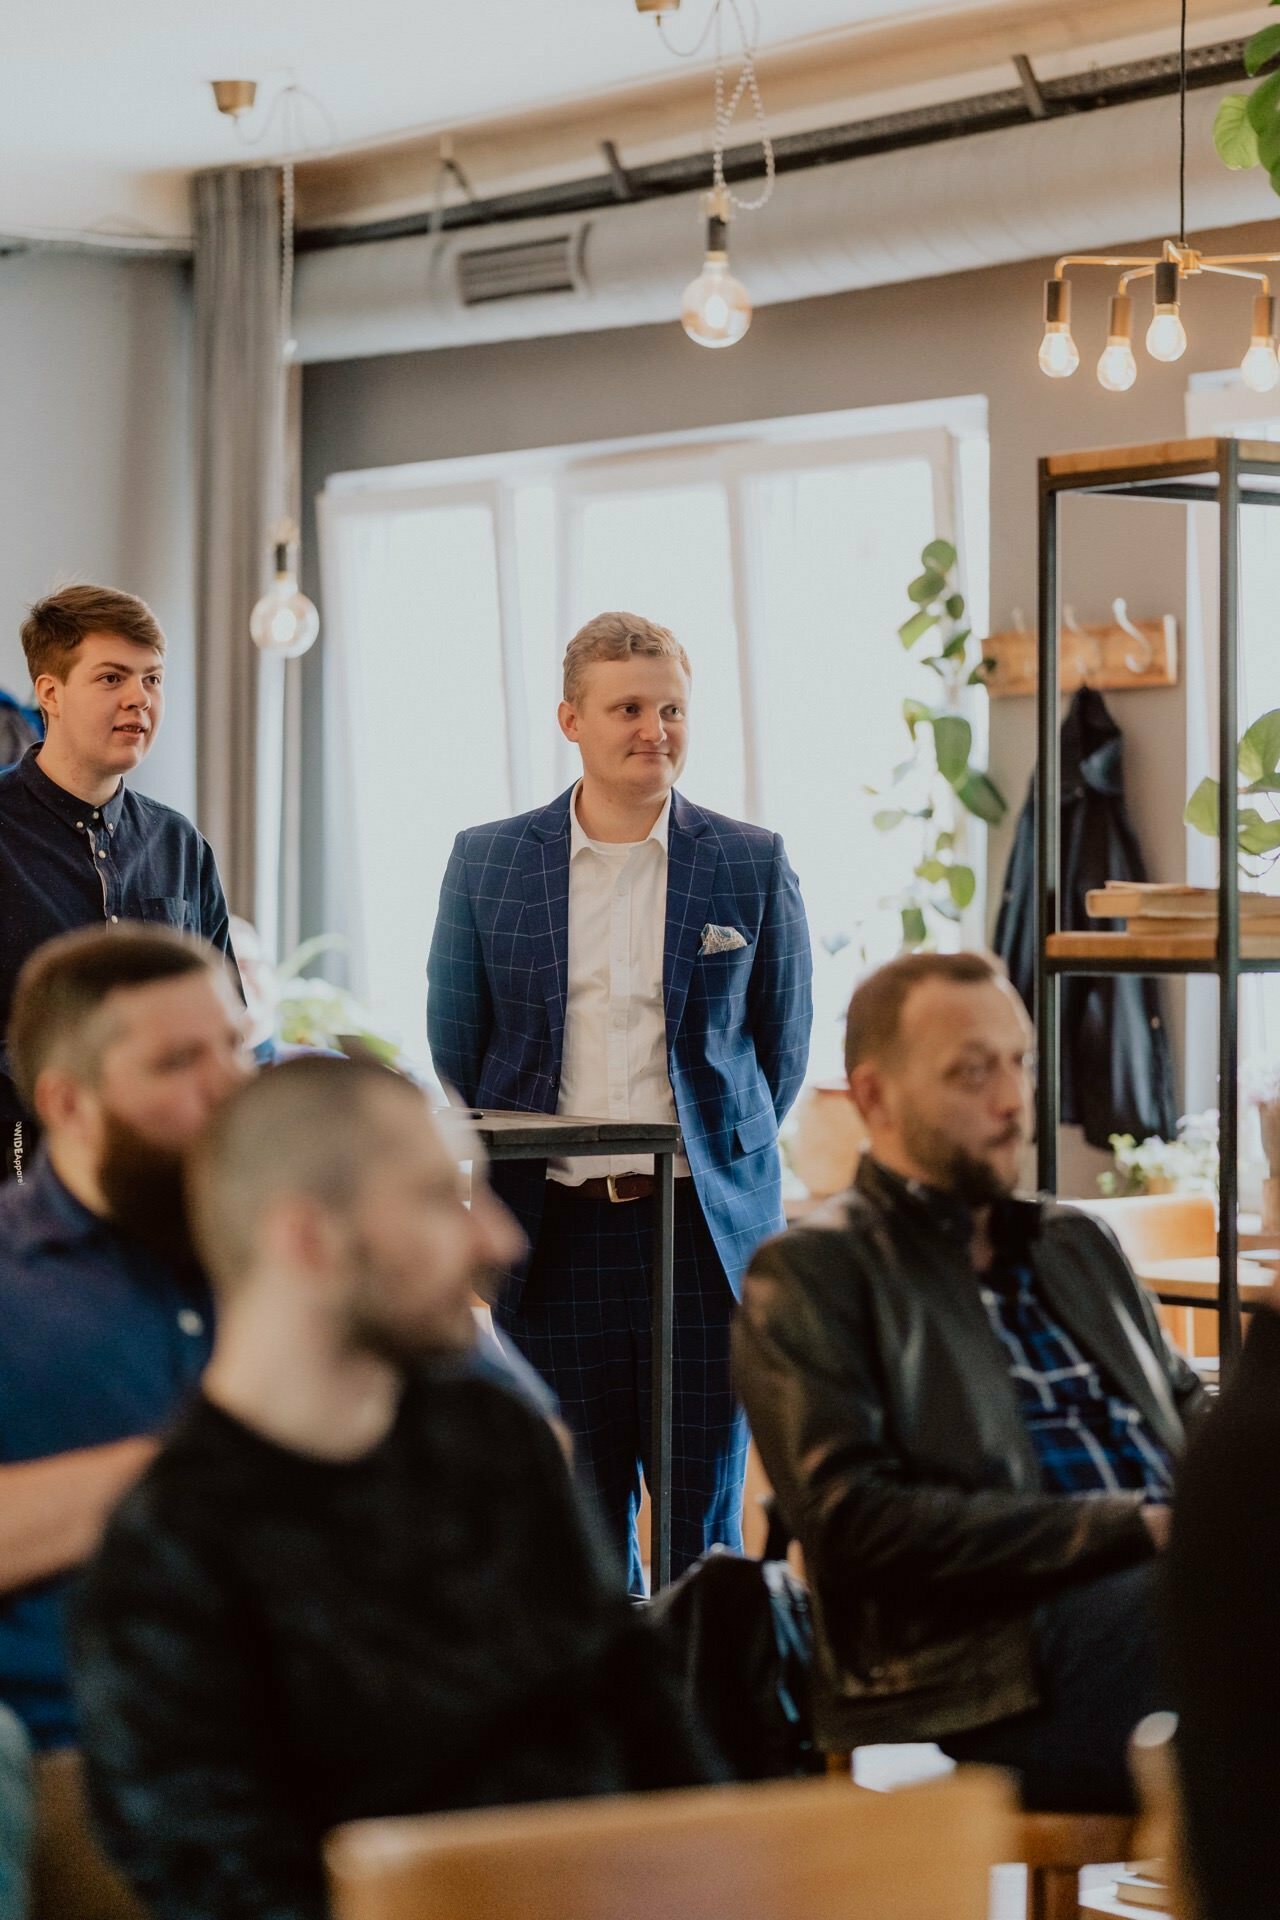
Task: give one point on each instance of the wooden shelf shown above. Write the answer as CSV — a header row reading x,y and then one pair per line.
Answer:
x,y
1129,947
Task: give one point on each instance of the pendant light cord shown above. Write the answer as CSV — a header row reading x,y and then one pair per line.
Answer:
x,y
726,108
1182,127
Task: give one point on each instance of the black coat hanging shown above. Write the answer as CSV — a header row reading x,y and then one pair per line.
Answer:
x,y
1117,1071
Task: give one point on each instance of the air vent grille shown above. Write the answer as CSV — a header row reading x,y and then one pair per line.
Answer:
x,y
529,267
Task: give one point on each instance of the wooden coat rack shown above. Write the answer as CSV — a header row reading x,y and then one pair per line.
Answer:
x,y
1115,656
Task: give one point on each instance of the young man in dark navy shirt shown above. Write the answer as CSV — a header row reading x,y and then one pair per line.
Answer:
x,y
77,848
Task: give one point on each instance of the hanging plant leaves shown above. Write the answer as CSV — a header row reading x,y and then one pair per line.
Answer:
x,y
962,882
1201,811
940,555
1233,133
1256,834
952,739
888,818
956,645
1262,103
955,606
1261,49
932,871
1259,754
916,627
915,713
982,797
926,588
914,931
1269,144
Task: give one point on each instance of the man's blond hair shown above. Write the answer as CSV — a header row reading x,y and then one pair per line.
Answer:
x,y
616,636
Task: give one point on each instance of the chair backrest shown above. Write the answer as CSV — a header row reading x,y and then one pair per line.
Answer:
x,y
768,1852
1159,1226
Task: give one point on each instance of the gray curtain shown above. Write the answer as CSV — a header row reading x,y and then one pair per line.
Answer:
x,y
236,219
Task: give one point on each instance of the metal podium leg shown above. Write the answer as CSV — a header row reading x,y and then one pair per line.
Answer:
x,y
664,1224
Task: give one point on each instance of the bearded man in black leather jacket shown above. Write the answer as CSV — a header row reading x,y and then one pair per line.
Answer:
x,y
968,1411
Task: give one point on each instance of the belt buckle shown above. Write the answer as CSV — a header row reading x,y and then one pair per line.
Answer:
x,y
619,1199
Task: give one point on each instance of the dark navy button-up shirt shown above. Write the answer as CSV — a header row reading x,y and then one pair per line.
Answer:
x,y
1088,1438
65,864
100,1340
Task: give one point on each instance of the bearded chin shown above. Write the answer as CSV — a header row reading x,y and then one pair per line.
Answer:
x,y
143,1187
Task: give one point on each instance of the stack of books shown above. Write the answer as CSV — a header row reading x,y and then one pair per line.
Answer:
x,y
1171,923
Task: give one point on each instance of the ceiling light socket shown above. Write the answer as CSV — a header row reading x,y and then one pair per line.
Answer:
x,y
234,97
657,6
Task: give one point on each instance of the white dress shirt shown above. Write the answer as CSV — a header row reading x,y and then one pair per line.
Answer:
x,y
614,1065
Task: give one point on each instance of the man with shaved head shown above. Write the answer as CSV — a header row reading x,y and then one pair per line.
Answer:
x,y
968,1412
358,1580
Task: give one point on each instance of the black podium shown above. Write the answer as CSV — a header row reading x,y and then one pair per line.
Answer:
x,y
547,1136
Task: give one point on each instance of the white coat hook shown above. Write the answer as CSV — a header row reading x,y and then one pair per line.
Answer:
x,y
1136,661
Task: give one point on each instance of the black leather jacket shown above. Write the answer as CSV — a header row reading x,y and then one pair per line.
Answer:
x,y
884,1414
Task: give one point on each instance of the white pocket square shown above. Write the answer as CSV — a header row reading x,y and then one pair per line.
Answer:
x,y
720,940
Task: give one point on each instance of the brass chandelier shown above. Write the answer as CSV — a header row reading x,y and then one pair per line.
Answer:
x,y
1166,337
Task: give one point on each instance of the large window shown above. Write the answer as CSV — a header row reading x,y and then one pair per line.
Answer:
x,y
782,563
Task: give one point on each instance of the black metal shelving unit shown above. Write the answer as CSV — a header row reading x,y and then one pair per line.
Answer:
x,y
1229,475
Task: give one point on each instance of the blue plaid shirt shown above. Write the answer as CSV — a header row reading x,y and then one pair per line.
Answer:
x,y
1087,1439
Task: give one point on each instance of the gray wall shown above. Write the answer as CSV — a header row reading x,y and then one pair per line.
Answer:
x,y
95,483
971,333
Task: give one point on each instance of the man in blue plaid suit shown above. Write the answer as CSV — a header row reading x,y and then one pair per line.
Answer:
x,y
625,954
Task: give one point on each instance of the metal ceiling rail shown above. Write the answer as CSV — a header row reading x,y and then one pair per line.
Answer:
x,y
1086,92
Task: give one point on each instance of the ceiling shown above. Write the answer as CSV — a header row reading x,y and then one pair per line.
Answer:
x,y
107,108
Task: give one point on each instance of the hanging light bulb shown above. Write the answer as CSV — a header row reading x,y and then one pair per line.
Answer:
x,y
715,309
1166,336
1117,368
1260,367
284,623
1059,355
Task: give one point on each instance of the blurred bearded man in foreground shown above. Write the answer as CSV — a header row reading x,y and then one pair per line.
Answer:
x,y
358,1579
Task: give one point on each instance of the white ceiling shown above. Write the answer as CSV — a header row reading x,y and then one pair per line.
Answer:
x,y
106,106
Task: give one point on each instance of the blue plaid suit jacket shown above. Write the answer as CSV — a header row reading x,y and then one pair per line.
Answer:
x,y
737,1023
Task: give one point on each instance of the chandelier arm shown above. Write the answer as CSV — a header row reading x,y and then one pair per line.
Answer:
x,y
1135,273
1102,260
1236,273
1246,259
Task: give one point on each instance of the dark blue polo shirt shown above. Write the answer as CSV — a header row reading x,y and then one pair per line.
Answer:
x,y
65,864
99,1340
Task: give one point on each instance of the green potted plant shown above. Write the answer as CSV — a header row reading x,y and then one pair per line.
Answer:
x,y
1258,777
936,785
1246,128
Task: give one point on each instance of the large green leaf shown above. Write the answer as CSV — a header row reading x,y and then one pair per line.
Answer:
x,y
1256,834
982,797
887,818
1201,810
1261,49
914,930
915,713
940,555
916,627
1259,755
1269,144
952,739
1262,103
962,882
1233,133
926,588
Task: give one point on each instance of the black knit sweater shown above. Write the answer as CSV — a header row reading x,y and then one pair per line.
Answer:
x,y
269,1644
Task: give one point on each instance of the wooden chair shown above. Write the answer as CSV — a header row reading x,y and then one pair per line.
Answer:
x,y
1053,1847
1167,1226
768,1852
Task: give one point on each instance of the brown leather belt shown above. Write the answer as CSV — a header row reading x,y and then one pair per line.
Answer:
x,y
618,1187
